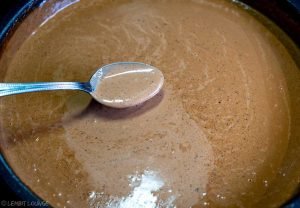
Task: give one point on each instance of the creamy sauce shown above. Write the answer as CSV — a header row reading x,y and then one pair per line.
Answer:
x,y
124,85
223,131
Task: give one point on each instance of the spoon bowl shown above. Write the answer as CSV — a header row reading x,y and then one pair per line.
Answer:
x,y
125,84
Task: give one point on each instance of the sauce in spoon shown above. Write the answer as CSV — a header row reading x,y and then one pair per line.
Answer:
x,y
126,84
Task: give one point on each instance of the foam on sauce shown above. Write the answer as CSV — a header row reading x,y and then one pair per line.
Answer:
x,y
223,131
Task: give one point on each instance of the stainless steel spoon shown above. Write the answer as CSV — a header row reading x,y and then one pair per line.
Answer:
x,y
119,85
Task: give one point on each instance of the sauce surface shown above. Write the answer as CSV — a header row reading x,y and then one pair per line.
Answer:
x,y
222,132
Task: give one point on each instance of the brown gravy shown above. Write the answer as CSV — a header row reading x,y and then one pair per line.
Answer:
x,y
219,134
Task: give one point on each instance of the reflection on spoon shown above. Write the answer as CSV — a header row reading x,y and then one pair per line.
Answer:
x,y
118,85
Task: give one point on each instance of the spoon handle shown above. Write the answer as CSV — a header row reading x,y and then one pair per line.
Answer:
x,y
18,88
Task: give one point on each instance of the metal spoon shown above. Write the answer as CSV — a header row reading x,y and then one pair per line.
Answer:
x,y
118,85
